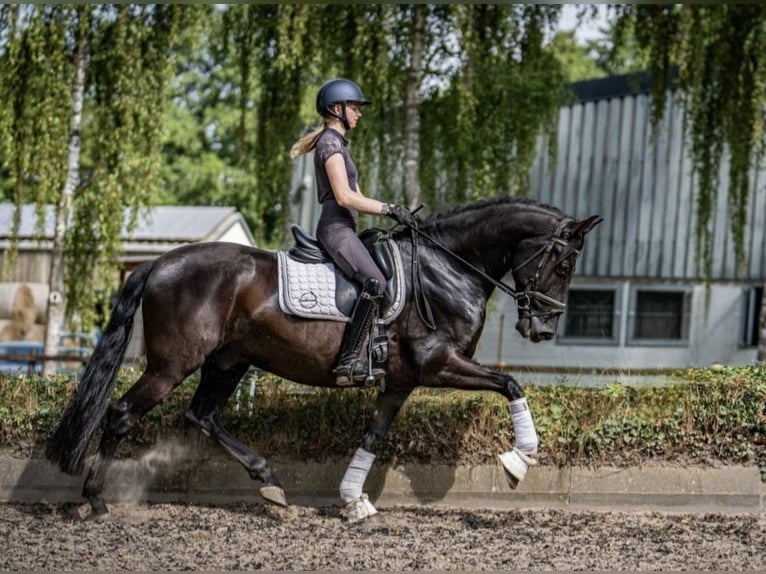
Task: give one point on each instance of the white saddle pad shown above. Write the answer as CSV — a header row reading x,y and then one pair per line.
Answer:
x,y
308,289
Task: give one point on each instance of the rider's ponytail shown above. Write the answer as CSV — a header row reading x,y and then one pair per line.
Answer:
x,y
306,143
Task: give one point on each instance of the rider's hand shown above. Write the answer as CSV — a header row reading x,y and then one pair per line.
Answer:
x,y
402,215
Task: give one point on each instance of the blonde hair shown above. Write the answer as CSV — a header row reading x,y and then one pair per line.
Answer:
x,y
307,143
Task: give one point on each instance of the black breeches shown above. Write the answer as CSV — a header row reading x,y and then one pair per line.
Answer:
x,y
350,254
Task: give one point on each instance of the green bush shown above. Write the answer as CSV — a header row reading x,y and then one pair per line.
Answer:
x,y
709,416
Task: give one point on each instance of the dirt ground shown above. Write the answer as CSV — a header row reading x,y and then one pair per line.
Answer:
x,y
252,537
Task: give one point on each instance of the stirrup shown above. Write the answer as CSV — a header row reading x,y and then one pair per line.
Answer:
x,y
346,375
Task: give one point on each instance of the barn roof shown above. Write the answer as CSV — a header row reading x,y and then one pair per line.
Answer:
x,y
616,86
158,229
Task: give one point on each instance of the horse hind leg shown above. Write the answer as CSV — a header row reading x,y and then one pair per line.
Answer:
x,y
216,386
148,391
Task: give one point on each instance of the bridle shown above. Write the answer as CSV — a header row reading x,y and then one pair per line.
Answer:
x,y
523,298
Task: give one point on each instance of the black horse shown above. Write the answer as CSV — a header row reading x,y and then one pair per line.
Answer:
x,y
214,307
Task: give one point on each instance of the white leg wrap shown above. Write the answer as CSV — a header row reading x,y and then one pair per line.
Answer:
x,y
523,426
356,473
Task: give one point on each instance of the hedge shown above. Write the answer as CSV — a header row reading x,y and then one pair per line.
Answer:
x,y
708,417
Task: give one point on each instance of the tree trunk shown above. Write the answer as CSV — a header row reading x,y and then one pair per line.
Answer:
x,y
412,112
57,300
762,329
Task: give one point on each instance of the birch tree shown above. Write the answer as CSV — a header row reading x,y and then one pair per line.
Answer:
x,y
84,79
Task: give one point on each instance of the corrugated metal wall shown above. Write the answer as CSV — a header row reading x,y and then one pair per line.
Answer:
x,y
609,163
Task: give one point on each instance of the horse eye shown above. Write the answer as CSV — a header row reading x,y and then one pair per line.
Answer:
x,y
564,269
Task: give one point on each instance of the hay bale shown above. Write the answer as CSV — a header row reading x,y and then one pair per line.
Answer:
x,y
23,309
14,331
20,300
36,333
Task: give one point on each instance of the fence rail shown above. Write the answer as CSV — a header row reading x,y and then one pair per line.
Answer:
x,y
32,359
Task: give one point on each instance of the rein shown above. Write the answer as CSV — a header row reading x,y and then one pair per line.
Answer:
x,y
523,298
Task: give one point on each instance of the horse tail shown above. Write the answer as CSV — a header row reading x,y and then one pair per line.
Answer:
x,y
69,442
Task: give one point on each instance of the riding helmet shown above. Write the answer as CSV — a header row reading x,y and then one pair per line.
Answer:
x,y
339,91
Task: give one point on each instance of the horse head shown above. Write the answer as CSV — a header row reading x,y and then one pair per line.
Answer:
x,y
543,267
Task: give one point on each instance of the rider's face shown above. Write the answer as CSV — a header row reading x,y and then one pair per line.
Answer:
x,y
353,113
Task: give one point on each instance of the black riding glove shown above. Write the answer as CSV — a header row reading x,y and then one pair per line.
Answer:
x,y
401,215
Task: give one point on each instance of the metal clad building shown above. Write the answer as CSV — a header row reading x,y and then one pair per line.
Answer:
x,y
638,302
643,184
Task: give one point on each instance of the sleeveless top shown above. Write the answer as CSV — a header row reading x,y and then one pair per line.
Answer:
x,y
329,143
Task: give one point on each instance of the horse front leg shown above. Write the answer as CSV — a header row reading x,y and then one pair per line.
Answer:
x,y
460,372
357,505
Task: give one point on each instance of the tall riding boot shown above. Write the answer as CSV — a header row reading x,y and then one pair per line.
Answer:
x,y
349,368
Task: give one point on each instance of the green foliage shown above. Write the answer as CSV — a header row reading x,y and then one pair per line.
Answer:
x,y
128,70
205,151
480,133
34,106
30,407
279,49
708,416
712,415
575,59
477,136
127,54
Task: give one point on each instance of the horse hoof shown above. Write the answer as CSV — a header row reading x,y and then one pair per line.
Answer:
x,y
98,515
274,494
98,509
512,481
359,509
515,464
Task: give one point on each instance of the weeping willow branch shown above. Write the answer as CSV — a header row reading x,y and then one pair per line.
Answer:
x,y
125,69
718,51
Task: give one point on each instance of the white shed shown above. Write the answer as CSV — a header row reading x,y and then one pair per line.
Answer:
x,y
159,230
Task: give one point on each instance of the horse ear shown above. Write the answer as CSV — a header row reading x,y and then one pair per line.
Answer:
x,y
584,226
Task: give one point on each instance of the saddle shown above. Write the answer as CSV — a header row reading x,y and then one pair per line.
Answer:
x,y
311,286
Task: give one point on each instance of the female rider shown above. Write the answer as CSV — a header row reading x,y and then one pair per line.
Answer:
x,y
340,102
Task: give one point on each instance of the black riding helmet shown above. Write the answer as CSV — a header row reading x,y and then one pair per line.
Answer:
x,y
339,91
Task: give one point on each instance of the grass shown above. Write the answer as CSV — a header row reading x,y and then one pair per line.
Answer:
x,y
708,417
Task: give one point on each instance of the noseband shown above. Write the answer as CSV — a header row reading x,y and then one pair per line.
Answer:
x,y
523,298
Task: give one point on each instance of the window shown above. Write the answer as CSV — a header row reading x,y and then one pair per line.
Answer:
x,y
752,312
659,315
591,315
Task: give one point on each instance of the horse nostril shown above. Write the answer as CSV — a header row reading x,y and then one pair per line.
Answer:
x,y
538,336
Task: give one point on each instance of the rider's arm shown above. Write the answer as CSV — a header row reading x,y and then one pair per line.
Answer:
x,y
344,195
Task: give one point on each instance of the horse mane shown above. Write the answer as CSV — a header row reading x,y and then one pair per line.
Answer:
x,y
480,213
